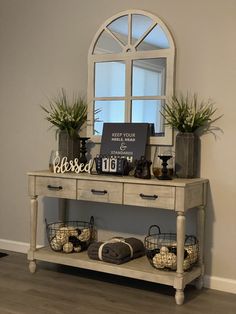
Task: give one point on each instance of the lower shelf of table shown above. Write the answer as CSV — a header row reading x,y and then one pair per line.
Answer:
x,y
139,268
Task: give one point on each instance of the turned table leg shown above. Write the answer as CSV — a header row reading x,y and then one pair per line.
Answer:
x,y
33,232
200,237
179,285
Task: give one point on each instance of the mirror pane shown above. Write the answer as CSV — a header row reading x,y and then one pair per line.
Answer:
x,y
109,79
156,39
148,77
108,111
148,111
107,44
140,24
119,28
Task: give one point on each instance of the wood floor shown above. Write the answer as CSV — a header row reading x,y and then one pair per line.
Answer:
x,y
57,289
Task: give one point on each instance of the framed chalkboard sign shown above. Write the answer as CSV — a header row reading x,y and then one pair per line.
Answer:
x,y
127,140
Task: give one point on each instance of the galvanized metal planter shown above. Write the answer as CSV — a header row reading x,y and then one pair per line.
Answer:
x,y
187,155
67,146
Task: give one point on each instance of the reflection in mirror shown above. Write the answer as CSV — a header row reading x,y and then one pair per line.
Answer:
x,y
108,111
140,24
107,44
148,77
148,111
156,39
109,79
119,28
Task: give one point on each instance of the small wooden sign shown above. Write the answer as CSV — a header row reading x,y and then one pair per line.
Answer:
x,y
62,165
124,140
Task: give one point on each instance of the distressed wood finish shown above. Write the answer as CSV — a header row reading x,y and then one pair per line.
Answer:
x,y
138,268
33,232
108,192
149,196
56,187
179,279
178,195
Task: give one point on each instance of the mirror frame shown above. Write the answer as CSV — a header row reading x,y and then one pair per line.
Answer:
x,y
168,53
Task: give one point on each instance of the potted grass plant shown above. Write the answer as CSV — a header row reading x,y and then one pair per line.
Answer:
x,y
67,116
191,117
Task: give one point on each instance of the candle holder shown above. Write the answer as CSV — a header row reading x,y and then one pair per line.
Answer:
x,y
162,166
83,150
164,171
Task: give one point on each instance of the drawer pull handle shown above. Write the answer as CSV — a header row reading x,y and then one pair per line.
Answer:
x,y
150,197
99,192
55,188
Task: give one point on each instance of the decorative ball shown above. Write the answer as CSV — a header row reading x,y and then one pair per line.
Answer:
x,y
165,259
72,231
171,261
164,250
158,261
64,230
74,240
192,251
68,247
55,245
85,235
61,237
186,264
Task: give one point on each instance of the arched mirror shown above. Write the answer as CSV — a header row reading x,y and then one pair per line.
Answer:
x,y
130,73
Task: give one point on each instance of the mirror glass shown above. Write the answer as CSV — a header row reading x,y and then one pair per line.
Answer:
x,y
109,79
107,44
156,39
108,111
148,77
131,73
119,28
148,111
140,25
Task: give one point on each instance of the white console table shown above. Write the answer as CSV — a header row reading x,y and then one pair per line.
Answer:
x,y
177,195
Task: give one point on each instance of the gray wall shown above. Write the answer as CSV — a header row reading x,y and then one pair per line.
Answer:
x,y
44,47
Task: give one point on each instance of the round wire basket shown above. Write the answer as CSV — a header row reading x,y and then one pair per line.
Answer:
x,y
161,249
70,236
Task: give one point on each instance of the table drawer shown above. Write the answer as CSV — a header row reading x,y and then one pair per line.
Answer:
x,y
56,187
96,191
149,196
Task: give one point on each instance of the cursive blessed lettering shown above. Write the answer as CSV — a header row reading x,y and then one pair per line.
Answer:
x,y
63,165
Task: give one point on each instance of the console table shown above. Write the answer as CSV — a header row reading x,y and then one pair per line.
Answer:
x,y
177,195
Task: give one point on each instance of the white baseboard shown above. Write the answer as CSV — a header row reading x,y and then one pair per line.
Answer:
x,y
219,283
15,246
211,282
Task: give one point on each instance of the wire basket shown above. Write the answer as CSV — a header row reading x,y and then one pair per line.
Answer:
x,y
70,236
161,250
